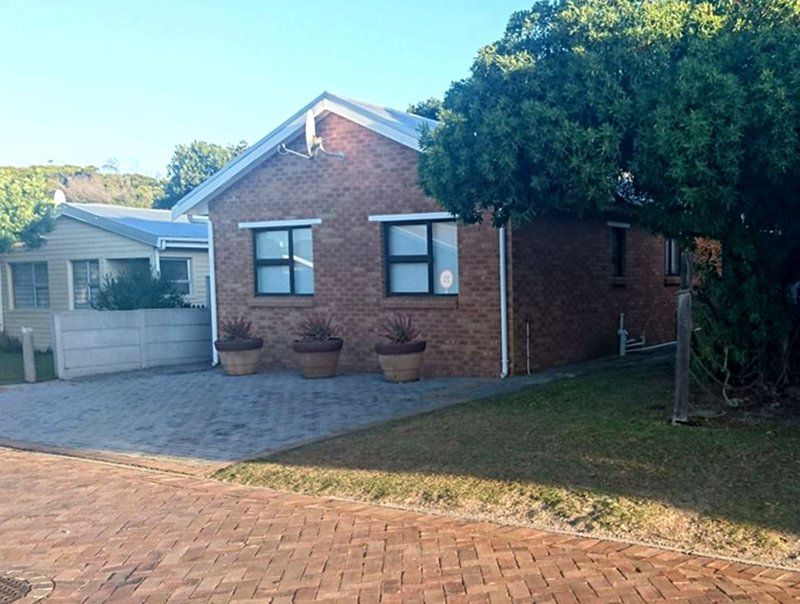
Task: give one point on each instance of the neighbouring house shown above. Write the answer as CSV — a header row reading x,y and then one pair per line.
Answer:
x,y
88,242
356,237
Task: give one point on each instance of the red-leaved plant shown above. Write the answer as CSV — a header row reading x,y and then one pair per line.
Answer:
x,y
399,329
237,329
317,327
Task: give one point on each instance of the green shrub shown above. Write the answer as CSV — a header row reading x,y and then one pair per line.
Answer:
x,y
135,288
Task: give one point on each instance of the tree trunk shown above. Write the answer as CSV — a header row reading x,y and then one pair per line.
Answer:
x,y
680,414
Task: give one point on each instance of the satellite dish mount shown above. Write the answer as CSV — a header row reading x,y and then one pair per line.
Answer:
x,y
314,143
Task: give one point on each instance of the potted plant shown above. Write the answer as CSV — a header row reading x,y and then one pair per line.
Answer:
x,y
401,356
239,350
318,346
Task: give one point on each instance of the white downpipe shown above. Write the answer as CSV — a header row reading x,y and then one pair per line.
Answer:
x,y
503,303
212,284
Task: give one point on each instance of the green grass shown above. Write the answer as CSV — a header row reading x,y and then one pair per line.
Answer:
x,y
11,371
593,453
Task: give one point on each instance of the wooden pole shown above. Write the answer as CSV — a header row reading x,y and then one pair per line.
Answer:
x,y
680,414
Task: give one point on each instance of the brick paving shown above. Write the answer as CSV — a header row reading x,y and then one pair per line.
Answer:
x,y
107,533
206,416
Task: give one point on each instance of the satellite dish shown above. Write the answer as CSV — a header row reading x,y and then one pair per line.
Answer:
x,y
59,197
314,144
311,134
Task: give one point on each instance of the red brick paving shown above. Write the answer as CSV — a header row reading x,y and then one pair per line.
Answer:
x,y
107,533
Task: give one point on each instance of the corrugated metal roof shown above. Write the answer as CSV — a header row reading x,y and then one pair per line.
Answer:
x,y
152,227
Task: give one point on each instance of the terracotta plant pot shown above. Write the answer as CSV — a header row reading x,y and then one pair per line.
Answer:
x,y
240,357
401,362
318,359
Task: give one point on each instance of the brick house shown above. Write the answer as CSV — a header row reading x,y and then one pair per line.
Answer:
x,y
356,237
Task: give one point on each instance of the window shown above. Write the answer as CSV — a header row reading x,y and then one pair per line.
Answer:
x,y
672,258
284,261
421,258
85,282
177,271
29,282
618,235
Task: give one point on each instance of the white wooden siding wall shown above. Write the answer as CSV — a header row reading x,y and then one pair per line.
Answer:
x,y
75,240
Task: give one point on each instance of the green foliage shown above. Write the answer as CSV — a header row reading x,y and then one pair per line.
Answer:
x,y
25,212
135,288
683,113
191,164
429,108
26,209
9,343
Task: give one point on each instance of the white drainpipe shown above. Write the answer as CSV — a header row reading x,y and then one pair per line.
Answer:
x,y
503,303
212,283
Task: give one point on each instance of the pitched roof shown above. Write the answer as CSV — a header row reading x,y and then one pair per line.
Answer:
x,y
152,227
399,126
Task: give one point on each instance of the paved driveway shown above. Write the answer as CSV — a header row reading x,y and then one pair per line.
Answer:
x,y
207,416
106,533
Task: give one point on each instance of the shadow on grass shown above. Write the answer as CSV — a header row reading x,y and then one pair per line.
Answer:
x,y
605,432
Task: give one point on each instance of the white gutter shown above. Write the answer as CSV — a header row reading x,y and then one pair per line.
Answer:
x,y
503,303
212,283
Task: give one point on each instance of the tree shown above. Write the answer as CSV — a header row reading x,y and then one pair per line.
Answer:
x,y
137,287
684,114
428,108
191,164
26,214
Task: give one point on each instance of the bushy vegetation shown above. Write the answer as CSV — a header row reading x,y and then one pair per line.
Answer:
x,y
683,115
137,287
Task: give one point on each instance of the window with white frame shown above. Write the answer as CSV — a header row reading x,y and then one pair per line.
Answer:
x,y
85,282
29,284
618,250
672,258
421,257
283,261
177,271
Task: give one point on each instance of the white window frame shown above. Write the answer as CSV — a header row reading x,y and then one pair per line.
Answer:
x,y
188,279
34,284
72,280
672,258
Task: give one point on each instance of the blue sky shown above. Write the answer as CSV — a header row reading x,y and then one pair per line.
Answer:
x,y
85,81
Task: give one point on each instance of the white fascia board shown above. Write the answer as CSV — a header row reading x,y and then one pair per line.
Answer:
x,y
619,225
409,217
271,224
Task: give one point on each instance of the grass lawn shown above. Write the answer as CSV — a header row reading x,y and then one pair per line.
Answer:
x,y
591,454
11,371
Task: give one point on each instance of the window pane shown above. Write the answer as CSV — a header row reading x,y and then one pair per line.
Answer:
x,y
22,283
80,284
273,279
618,251
42,297
175,269
408,278
445,258
303,279
408,240
272,244
302,247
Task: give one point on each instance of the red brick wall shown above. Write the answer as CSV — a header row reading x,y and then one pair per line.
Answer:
x,y
562,282
378,176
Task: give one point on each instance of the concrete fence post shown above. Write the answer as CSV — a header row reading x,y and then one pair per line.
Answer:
x,y
28,355
141,319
